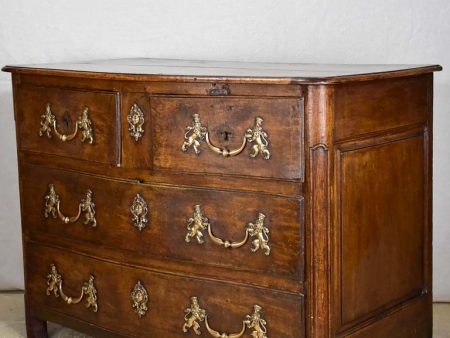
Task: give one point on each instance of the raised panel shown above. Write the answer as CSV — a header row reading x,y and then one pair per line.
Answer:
x,y
381,190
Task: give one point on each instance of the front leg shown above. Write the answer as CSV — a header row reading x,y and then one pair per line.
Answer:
x,y
36,328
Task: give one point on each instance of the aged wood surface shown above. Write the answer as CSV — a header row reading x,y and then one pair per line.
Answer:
x,y
345,194
240,72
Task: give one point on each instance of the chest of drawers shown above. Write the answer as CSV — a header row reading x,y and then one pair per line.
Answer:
x,y
165,198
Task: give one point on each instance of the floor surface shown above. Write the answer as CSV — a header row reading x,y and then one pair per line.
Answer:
x,y
12,321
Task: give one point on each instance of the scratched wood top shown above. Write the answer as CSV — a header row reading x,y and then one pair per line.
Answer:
x,y
144,69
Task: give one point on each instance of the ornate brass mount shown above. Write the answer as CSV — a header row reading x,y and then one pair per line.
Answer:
x,y
48,121
196,133
54,284
139,299
136,121
195,314
139,210
198,223
86,206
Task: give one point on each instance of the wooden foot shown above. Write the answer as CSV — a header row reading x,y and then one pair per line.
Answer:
x,y
36,328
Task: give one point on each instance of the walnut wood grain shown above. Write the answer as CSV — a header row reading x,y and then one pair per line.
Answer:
x,y
169,207
67,105
169,296
347,196
227,120
240,72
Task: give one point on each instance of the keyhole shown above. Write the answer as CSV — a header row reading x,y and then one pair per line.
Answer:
x,y
66,121
227,135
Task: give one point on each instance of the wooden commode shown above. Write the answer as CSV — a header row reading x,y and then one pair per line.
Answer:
x,y
169,198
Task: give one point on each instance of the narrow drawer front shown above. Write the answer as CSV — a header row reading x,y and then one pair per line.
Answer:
x,y
260,137
138,302
239,231
65,122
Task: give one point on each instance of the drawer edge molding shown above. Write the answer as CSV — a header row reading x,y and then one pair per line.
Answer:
x,y
55,286
196,224
195,314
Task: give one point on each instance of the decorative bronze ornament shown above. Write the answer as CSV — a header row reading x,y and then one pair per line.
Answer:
x,y
139,299
196,133
48,121
135,122
54,285
194,315
198,223
86,206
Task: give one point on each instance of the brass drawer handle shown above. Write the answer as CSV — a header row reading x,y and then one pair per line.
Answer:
x,y
48,121
86,206
54,284
196,133
195,314
198,223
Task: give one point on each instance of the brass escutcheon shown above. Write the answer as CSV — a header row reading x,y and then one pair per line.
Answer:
x,y
139,299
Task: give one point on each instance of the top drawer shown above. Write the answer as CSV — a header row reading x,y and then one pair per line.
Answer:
x,y
241,136
73,123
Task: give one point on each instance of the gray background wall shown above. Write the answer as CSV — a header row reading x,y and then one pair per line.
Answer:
x,y
345,31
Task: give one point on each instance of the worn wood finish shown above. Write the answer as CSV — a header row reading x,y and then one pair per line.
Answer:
x,y
222,71
169,296
382,242
347,195
168,208
227,121
67,105
385,236
386,105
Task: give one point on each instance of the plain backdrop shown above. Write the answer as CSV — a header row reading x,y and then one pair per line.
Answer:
x,y
345,31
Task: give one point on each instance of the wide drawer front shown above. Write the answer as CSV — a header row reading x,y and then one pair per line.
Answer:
x,y
230,136
72,123
239,231
141,303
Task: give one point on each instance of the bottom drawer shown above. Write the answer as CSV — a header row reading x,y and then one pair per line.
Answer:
x,y
138,302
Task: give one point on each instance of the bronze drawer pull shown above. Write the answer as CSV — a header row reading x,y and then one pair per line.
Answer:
x,y
86,206
48,121
196,224
54,284
196,133
195,314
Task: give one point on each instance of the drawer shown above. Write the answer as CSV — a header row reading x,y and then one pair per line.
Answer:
x,y
65,122
240,231
137,302
260,137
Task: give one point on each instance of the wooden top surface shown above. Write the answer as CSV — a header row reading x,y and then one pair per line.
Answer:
x,y
142,69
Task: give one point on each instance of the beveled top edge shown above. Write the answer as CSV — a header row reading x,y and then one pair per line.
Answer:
x,y
238,72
